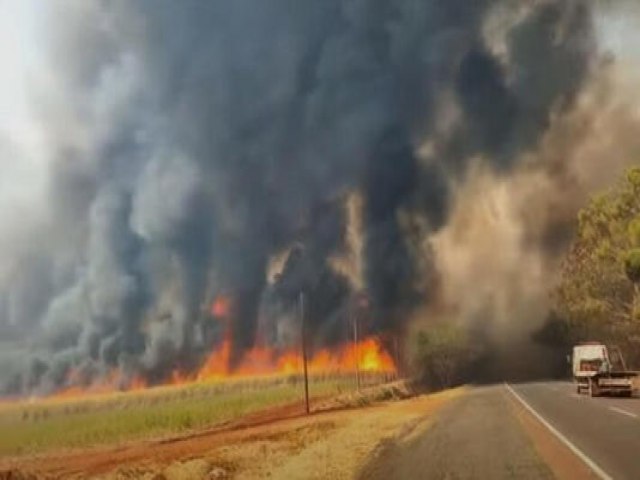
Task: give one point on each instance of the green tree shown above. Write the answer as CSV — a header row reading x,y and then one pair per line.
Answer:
x,y
632,265
632,269
441,355
601,273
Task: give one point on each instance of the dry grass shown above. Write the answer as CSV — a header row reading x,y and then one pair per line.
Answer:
x,y
341,454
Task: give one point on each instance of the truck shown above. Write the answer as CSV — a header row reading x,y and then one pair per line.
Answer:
x,y
599,369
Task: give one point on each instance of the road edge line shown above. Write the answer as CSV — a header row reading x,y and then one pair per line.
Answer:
x,y
579,453
623,412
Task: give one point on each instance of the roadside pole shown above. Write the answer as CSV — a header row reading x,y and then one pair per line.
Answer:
x,y
396,351
357,349
304,353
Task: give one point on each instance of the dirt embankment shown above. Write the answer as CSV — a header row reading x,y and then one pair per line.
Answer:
x,y
333,442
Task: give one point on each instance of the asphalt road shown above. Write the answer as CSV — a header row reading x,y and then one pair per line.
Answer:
x,y
475,437
488,433
605,429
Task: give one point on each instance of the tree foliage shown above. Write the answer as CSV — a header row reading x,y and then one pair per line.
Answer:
x,y
601,273
442,353
632,265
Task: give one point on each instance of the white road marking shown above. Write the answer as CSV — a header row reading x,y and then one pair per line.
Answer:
x,y
623,412
592,465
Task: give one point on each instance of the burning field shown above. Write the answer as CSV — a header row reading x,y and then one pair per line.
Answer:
x,y
113,407
356,357
364,357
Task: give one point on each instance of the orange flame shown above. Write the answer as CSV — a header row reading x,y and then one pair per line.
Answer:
x,y
221,306
367,355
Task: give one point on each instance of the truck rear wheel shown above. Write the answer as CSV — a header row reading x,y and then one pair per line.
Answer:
x,y
594,391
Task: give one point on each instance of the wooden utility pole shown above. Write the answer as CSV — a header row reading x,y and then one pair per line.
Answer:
x,y
396,350
357,348
304,353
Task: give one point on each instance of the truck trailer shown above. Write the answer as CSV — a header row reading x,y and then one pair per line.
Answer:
x,y
599,370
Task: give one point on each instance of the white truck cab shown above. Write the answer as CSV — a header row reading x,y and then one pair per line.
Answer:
x,y
599,369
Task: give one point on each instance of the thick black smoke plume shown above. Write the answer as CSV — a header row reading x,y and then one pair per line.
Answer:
x,y
193,142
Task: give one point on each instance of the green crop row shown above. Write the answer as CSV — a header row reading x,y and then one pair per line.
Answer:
x,y
69,423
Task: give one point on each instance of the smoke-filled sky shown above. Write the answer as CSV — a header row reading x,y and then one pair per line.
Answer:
x,y
157,155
